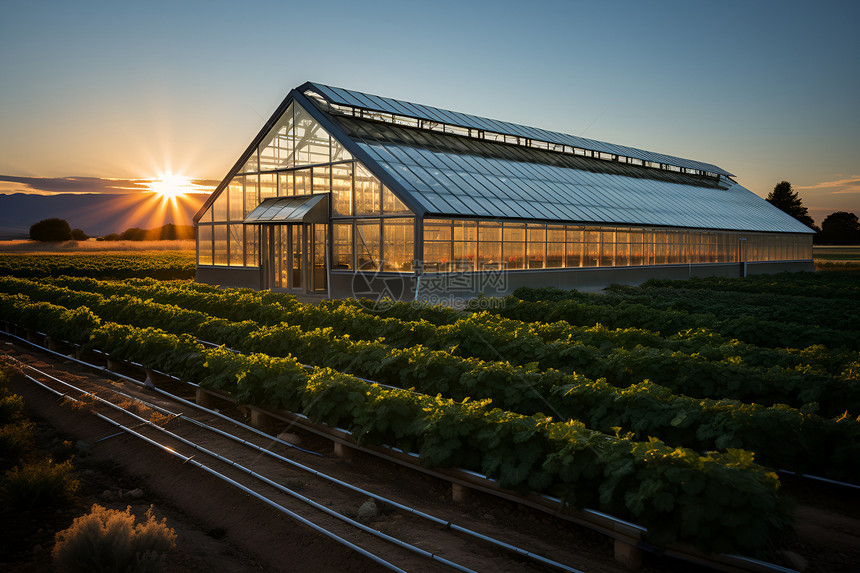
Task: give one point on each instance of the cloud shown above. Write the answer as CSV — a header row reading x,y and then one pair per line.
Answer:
x,y
839,187
54,185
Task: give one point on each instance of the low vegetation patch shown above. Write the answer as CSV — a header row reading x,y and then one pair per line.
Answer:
x,y
109,541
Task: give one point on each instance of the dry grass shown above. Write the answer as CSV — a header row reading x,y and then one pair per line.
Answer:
x,y
93,247
108,540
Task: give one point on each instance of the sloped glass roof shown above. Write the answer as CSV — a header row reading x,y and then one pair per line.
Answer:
x,y
488,180
340,96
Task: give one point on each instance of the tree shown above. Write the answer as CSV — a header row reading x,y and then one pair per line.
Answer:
x,y
786,199
53,229
79,235
840,228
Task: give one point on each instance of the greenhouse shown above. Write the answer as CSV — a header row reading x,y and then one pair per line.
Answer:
x,y
346,194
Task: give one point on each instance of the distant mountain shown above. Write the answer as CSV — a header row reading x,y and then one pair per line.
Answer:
x,y
97,214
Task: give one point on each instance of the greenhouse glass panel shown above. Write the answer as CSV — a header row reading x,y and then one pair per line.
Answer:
x,y
321,180
367,245
204,244
489,246
302,182
252,196
399,245
341,188
252,246
367,192
268,188
285,184
236,194
220,245
312,142
276,149
342,252
237,245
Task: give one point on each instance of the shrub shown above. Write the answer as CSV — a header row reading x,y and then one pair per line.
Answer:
x,y
11,407
16,439
109,541
39,483
51,230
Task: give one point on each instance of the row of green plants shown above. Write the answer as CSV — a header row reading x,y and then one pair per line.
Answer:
x,y
716,501
829,286
619,312
694,363
835,313
165,265
808,443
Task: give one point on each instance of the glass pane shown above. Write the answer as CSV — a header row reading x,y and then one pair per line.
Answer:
x,y
204,244
514,245
207,215
252,246
637,253
268,186
437,245
285,184
391,204
237,245
220,241
303,182
554,247
276,149
338,153
367,192
236,199
607,248
489,246
321,180
398,236
251,165
312,141
465,245
342,246
367,244
252,198
341,187
320,273
536,246
219,207
296,256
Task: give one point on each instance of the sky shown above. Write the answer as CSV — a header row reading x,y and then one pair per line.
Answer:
x,y
109,93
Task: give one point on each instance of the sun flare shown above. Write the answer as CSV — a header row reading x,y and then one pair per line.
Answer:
x,y
171,185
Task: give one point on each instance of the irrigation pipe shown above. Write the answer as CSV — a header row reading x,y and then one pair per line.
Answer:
x,y
406,509
190,460
254,474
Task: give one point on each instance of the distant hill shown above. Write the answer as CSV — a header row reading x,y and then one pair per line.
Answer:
x,y
97,214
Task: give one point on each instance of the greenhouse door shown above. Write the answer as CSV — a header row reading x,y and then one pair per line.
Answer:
x,y
297,255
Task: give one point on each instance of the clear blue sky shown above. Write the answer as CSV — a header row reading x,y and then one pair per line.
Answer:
x,y
766,90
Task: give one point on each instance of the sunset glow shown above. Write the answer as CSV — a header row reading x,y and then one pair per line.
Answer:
x,y
171,185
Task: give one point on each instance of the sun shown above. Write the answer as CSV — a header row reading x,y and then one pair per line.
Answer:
x,y
170,185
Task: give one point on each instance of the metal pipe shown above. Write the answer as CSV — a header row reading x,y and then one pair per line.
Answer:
x,y
260,477
321,475
190,460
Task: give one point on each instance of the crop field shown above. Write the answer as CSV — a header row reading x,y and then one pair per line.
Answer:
x,y
671,405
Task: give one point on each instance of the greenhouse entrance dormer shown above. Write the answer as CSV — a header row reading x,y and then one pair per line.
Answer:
x,y
294,242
